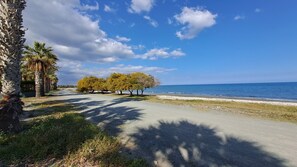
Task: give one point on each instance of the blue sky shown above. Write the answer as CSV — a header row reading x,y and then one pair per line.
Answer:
x,y
179,41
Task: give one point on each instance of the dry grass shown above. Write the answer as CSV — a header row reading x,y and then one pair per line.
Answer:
x,y
266,111
274,112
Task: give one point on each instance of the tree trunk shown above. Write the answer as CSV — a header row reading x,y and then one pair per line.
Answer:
x,y
49,84
39,85
142,90
137,92
46,84
121,92
10,109
131,92
55,86
11,44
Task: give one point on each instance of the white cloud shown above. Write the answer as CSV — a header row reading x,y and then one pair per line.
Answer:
x,y
138,6
130,68
177,53
72,35
151,21
72,71
257,10
90,7
108,9
194,20
239,17
123,39
138,47
77,39
155,54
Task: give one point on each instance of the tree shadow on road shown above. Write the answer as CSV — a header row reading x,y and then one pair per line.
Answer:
x,y
106,115
48,107
110,118
186,144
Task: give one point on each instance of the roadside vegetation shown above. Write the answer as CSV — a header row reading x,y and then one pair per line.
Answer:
x,y
39,64
118,83
54,135
266,111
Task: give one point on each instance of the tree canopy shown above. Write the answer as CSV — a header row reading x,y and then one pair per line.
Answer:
x,y
41,61
118,82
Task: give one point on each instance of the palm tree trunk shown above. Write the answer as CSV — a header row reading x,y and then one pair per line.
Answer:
x,y
55,86
49,84
11,44
39,84
46,84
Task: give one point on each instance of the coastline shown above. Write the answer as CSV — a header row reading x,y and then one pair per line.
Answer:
x,y
277,102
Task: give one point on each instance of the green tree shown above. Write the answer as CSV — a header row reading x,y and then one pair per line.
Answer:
x,y
48,76
40,59
132,83
87,84
149,81
117,82
27,74
137,77
143,81
11,45
54,81
100,85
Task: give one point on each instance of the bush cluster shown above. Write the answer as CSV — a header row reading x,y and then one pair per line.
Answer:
x,y
118,82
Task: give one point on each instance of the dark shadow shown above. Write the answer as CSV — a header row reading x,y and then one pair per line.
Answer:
x,y
107,116
110,117
187,144
57,106
72,100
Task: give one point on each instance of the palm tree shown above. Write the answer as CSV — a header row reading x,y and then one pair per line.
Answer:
x,y
11,45
40,59
54,81
50,76
27,74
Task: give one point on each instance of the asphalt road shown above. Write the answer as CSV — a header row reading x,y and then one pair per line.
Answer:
x,y
170,135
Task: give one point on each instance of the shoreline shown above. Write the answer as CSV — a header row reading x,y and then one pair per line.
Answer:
x,y
277,102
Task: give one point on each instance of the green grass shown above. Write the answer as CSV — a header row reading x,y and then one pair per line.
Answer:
x,y
61,137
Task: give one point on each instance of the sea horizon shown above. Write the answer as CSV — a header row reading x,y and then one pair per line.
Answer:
x,y
281,91
232,83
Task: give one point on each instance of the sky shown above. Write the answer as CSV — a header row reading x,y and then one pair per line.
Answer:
x,y
177,41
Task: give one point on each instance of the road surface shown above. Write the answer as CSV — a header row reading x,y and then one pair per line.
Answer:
x,y
170,135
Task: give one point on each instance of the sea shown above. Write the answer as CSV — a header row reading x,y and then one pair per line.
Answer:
x,y
285,91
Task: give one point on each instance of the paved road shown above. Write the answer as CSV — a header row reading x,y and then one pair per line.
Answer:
x,y
169,135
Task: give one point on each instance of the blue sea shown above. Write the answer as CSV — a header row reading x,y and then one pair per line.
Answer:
x,y
268,91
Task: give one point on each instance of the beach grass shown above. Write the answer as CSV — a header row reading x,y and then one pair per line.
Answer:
x,y
55,135
266,111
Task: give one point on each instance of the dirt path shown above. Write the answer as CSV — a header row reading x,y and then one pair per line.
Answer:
x,y
169,135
